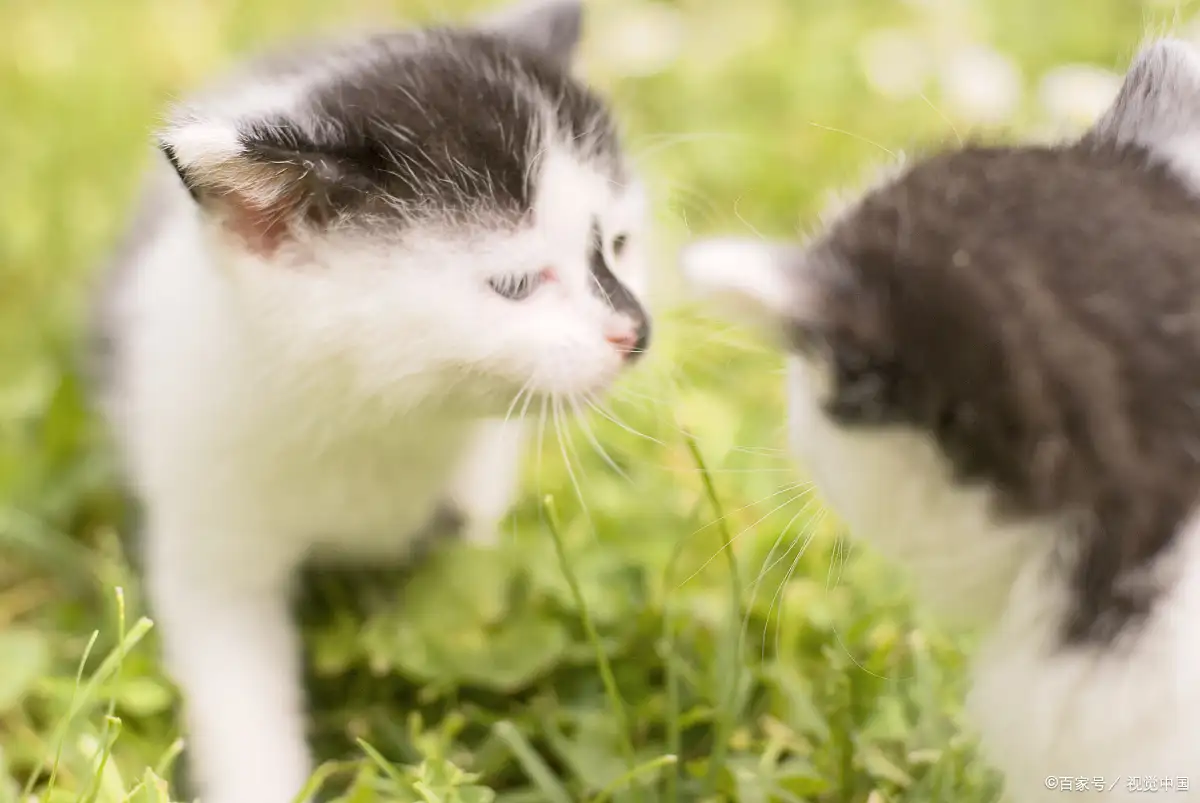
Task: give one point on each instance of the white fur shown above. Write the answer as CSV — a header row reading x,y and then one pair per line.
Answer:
x,y
324,402
1123,711
205,143
1049,714
740,277
894,489
1131,709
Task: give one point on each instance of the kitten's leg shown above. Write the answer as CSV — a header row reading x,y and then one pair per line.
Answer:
x,y
485,484
230,644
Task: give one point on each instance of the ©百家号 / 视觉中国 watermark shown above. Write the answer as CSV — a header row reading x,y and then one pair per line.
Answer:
x,y
1127,783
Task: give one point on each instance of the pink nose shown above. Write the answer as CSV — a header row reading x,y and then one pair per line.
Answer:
x,y
625,341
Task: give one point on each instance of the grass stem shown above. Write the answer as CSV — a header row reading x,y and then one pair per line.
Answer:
x,y
729,660
615,700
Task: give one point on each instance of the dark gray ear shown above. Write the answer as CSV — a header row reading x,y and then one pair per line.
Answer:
x,y
552,27
1158,106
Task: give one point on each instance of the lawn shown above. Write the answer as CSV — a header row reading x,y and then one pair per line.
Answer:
x,y
692,626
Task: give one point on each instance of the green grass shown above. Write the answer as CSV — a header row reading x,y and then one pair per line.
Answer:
x,y
622,654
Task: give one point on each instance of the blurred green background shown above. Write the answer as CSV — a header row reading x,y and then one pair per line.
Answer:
x,y
787,668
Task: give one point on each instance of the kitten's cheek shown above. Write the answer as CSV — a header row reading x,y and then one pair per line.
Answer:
x,y
638,284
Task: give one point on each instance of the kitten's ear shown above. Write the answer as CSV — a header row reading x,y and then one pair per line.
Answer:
x,y
743,280
551,27
254,181
1158,105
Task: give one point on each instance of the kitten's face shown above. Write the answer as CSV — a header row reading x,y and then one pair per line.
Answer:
x,y
446,213
1002,342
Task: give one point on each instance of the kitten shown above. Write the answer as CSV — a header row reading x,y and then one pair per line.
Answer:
x,y
358,263
994,376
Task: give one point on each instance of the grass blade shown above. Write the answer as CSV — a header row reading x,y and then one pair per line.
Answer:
x,y
674,732
83,694
533,765
729,659
328,770
112,724
615,700
382,763
638,771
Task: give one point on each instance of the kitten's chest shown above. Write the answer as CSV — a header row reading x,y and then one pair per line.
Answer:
x,y
1112,708
363,491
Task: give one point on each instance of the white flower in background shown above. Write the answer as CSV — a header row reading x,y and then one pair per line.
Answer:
x,y
1074,95
46,42
935,5
980,85
643,40
895,62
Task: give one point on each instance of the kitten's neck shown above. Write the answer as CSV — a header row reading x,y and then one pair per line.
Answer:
x,y
969,575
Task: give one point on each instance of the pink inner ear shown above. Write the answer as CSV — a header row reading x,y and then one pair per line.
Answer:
x,y
262,229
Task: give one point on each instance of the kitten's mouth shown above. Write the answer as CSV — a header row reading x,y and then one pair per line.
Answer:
x,y
572,386
530,401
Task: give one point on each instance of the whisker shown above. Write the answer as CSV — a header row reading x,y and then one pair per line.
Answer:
x,y
787,527
754,586
891,153
560,415
945,119
668,140
719,519
762,451
600,410
786,580
592,437
842,548
626,394
684,470
740,533
738,213
517,399
783,534
541,436
528,400
570,470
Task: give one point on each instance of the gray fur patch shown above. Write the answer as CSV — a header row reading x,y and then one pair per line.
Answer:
x,y
446,123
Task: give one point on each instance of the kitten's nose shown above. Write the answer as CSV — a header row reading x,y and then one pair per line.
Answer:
x,y
630,339
625,340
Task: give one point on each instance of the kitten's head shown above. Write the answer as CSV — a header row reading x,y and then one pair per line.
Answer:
x,y
1003,336
443,211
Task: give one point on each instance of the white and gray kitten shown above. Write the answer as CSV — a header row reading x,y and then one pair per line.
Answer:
x,y
994,376
352,260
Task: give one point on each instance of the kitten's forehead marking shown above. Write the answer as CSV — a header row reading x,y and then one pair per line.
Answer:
x,y
445,123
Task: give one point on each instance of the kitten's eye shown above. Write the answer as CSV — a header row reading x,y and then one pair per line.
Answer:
x,y
618,244
516,288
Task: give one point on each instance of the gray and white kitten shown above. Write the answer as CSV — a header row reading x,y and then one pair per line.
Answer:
x,y
357,264
994,376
